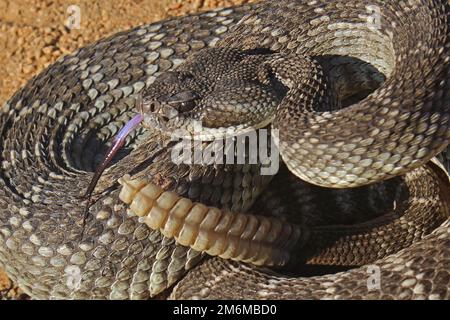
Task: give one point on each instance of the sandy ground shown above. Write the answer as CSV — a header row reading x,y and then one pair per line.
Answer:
x,y
33,34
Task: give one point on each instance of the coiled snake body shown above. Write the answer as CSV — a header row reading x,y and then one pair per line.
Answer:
x,y
291,64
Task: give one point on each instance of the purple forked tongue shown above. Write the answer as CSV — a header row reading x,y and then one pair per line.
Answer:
x,y
118,143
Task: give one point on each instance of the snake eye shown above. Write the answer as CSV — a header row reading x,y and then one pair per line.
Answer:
x,y
184,101
186,106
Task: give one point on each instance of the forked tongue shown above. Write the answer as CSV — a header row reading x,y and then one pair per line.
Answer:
x,y
117,144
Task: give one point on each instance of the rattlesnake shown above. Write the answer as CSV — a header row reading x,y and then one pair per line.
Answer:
x,y
300,61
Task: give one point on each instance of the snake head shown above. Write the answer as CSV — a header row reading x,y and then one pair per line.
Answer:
x,y
214,89
174,99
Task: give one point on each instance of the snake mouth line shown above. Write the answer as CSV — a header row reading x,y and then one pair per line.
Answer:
x,y
248,238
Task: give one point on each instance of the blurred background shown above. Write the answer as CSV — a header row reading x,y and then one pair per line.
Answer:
x,y
34,33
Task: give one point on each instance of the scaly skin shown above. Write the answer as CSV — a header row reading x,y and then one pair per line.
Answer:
x,y
54,132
